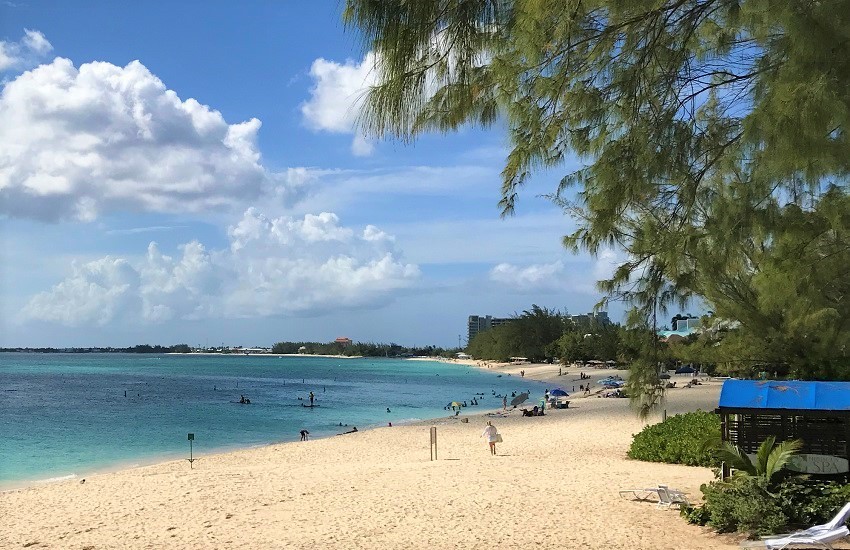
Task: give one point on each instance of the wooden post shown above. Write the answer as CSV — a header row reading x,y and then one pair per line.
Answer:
x,y
433,443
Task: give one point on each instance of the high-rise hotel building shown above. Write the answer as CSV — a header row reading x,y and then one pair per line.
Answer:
x,y
480,323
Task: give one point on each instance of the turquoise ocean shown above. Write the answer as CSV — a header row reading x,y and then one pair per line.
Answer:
x,y
64,415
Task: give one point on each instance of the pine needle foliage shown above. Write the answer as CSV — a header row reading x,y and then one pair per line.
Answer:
x,y
713,136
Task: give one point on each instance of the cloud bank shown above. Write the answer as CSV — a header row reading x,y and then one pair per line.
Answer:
x,y
281,266
532,278
75,142
557,277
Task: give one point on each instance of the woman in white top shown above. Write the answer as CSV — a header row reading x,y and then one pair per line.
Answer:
x,y
491,435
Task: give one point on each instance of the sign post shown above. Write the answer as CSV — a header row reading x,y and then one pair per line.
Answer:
x,y
191,460
433,443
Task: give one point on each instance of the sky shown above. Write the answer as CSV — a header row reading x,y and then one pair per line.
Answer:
x,y
191,172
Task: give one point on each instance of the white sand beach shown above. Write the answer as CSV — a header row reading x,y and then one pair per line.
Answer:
x,y
554,481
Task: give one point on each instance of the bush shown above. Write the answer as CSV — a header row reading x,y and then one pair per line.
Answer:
x,y
744,504
678,440
808,502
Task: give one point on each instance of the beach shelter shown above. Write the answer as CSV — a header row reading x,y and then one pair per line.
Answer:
x,y
818,413
558,392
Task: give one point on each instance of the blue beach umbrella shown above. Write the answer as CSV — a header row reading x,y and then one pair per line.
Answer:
x,y
559,393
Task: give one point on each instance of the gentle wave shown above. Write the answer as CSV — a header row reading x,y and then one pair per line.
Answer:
x,y
56,479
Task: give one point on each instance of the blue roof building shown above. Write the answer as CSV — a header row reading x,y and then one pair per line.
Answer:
x,y
786,395
818,413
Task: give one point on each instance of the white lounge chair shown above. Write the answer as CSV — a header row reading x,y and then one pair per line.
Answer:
x,y
664,495
835,523
820,535
667,497
643,495
818,539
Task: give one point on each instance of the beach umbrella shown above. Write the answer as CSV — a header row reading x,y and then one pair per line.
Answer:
x,y
455,404
559,393
664,375
519,399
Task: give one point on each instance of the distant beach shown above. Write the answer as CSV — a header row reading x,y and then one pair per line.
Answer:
x,y
554,481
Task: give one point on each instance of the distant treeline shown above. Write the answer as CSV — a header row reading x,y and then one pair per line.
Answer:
x,y
542,334
365,349
143,348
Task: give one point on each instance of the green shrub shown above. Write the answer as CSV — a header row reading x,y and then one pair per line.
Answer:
x,y
744,504
808,502
678,440
698,515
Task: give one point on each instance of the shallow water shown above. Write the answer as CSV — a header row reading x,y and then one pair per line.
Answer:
x,y
67,414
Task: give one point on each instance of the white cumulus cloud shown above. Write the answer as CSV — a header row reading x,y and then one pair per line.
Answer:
x,y
95,293
280,266
339,90
336,96
78,141
531,278
25,52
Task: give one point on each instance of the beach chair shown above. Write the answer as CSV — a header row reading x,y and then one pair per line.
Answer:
x,y
818,539
821,535
667,497
643,495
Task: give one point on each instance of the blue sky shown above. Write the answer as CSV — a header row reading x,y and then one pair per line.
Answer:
x,y
190,172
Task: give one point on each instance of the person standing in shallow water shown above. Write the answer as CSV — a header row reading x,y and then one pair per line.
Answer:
x,y
491,434
311,399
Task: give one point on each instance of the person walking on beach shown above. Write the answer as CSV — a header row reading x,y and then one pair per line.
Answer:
x,y
491,435
304,434
504,403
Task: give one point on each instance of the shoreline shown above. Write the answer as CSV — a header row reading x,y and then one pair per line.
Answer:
x,y
240,354
171,456
377,488
539,373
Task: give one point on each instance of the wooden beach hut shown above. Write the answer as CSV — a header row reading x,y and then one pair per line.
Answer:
x,y
818,413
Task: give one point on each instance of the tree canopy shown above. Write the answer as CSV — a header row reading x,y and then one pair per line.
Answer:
x,y
713,137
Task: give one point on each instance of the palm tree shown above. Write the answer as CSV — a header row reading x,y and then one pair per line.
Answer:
x,y
769,460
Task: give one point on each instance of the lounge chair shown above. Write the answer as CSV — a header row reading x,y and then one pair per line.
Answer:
x,y
664,495
667,497
819,539
643,495
820,535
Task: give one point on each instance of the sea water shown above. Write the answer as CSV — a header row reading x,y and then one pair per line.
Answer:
x,y
63,415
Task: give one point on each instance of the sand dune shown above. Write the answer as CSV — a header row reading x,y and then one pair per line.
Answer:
x,y
553,482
